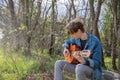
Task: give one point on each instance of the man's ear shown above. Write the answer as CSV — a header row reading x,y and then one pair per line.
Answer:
x,y
79,31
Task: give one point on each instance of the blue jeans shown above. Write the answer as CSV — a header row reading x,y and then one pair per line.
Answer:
x,y
81,71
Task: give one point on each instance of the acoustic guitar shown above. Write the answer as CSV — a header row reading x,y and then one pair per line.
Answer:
x,y
74,48
70,58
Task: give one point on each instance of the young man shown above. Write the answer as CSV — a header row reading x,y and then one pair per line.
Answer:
x,y
86,67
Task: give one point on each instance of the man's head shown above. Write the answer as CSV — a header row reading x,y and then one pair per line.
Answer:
x,y
75,28
74,25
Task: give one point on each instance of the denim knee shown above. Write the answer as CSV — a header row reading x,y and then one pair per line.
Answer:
x,y
58,64
80,69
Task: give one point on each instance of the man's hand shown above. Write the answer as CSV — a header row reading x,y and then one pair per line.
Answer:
x,y
85,53
76,54
66,52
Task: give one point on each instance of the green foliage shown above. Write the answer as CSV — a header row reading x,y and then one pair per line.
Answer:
x,y
17,66
108,63
22,27
14,66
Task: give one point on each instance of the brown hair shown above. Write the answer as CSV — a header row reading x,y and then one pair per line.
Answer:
x,y
74,25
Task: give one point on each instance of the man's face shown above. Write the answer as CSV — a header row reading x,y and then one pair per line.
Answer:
x,y
76,35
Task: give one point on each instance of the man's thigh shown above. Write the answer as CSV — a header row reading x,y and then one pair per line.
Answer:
x,y
67,66
85,69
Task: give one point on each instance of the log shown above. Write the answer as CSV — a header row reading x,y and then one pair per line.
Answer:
x,y
109,75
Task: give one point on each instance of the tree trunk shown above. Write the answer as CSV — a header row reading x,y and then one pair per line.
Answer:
x,y
118,24
14,25
114,31
94,21
71,7
52,37
28,31
74,10
95,16
69,12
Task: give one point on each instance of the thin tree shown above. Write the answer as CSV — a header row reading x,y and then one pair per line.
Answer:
x,y
114,33
118,24
52,37
14,25
94,20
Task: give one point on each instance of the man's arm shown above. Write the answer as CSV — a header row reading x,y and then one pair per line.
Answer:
x,y
67,42
95,61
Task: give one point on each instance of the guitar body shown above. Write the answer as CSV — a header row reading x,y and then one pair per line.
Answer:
x,y
70,58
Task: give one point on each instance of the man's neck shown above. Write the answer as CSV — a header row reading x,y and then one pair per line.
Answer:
x,y
84,36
